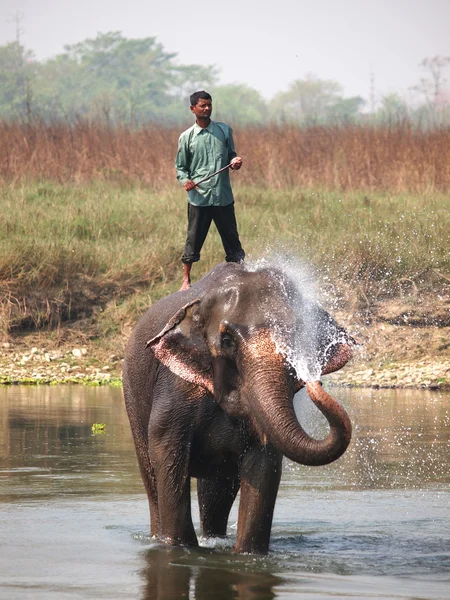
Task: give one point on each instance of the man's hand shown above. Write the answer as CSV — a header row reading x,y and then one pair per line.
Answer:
x,y
236,163
189,185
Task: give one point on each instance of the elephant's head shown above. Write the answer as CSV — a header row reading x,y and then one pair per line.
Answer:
x,y
245,341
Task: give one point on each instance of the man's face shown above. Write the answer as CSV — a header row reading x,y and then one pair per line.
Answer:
x,y
203,109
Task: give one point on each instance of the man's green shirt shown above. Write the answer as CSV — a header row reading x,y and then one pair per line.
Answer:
x,y
202,152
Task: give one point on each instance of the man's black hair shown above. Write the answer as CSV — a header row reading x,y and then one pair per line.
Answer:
x,y
196,96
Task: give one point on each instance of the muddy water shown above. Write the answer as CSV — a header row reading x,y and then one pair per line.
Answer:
x,y
74,519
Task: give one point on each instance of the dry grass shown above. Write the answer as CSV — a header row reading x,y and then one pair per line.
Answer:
x,y
398,159
93,222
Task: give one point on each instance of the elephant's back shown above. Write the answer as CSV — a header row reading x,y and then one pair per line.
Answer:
x,y
156,317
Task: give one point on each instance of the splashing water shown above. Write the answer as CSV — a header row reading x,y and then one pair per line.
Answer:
x,y
306,341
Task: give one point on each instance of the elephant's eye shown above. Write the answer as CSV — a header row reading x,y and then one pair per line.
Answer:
x,y
226,341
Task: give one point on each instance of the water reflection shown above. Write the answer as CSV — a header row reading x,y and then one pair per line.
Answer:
x,y
48,448
400,439
73,504
175,573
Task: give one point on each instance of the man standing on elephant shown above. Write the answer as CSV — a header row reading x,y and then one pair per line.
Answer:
x,y
203,149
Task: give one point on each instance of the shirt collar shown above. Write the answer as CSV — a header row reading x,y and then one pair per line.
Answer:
x,y
198,129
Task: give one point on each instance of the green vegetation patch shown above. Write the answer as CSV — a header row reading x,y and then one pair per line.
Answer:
x,y
102,254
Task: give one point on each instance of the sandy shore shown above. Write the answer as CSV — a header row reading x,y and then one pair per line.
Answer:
x,y
433,374
20,364
24,364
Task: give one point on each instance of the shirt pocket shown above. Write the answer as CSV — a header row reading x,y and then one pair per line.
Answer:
x,y
198,156
220,150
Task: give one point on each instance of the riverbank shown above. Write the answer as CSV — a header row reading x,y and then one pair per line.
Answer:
x,y
389,355
432,374
82,262
21,362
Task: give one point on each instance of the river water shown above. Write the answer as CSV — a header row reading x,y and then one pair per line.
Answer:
x,y
74,519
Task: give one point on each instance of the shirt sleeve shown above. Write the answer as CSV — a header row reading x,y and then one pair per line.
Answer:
x,y
231,149
182,161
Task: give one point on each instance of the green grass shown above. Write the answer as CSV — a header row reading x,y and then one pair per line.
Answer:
x,y
390,236
66,248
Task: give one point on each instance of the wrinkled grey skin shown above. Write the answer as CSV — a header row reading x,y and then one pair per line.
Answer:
x,y
210,395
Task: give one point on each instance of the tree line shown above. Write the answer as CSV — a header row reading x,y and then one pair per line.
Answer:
x,y
136,82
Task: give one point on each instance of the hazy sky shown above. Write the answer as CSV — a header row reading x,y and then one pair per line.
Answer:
x,y
266,45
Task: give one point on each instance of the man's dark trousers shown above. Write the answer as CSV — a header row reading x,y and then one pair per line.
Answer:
x,y
199,221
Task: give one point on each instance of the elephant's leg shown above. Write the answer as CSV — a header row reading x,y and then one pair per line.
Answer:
x,y
215,498
170,455
147,474
149,479
260,479
139,427
174,501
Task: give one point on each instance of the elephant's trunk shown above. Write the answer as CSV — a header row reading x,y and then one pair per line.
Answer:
x,y
270,393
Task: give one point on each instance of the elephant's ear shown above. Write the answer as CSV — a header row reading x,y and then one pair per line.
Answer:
x,y
339,355
181,348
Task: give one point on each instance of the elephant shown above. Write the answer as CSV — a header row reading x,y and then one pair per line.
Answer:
x,y
209,378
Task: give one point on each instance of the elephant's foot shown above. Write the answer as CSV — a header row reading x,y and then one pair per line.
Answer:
x,y
173,541
251,548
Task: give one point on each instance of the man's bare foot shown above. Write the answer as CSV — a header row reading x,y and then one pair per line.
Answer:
x,y
186,277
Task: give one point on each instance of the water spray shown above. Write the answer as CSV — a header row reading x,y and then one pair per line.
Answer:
x,y
303,351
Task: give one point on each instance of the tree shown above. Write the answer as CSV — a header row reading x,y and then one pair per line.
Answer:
x,y
436,110
306,101
110,75
122,80
432,86
393,110
17,71
239,104
345,111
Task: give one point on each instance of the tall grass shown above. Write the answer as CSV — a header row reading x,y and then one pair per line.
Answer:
x,y
395,159
92,217
68,250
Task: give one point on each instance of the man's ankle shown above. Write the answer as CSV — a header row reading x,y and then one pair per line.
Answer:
x,y
185,284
